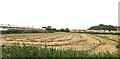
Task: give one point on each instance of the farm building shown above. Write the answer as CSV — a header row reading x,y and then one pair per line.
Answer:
x,y
77,30
5,27
98,31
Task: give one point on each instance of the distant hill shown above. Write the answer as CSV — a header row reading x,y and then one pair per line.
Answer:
x,y
103,27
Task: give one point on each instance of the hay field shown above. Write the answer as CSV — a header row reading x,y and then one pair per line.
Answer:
x,y
60,40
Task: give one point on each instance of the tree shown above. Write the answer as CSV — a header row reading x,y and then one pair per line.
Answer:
x,y
44,27
103,27
67,30
49,28
54,29
62,30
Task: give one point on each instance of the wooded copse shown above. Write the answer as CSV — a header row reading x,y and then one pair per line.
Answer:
x,y
104,27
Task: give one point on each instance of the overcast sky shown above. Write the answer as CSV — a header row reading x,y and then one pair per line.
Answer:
x,y
74,14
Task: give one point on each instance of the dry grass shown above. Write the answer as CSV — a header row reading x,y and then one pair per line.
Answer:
x,y
74,41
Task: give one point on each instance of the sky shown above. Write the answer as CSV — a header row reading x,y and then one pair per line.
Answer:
x,y
73,14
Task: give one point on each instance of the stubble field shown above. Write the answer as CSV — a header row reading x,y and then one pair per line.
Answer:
x,y
100,43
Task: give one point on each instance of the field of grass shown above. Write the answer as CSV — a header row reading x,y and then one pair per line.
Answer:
x,y
59,45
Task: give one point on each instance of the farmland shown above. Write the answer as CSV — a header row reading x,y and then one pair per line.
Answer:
x,y
92,43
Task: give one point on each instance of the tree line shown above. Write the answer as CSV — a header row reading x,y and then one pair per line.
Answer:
x,y
51,30
103,27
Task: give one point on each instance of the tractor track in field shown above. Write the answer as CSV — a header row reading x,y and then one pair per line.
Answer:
x,y
107,38
92,47
45,43
60,40
102,42
47,39
69,43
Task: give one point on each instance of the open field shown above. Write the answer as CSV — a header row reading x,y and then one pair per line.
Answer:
x,y
76,41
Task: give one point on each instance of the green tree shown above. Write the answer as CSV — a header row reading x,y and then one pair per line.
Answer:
x,y
49,28
67,30
103,27
44,27
62,30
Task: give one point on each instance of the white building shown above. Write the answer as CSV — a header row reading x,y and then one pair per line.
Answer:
x,y
5,27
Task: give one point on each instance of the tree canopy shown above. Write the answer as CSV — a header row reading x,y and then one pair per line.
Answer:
x,y
50,29
103,27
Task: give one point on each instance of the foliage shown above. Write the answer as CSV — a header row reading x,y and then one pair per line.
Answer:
x,y
62,30
52,30
67,30
103,27
31,51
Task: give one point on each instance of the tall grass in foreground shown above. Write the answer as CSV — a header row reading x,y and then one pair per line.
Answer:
x,y
31,51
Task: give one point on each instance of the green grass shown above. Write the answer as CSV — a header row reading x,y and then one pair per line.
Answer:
x,y
31,51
